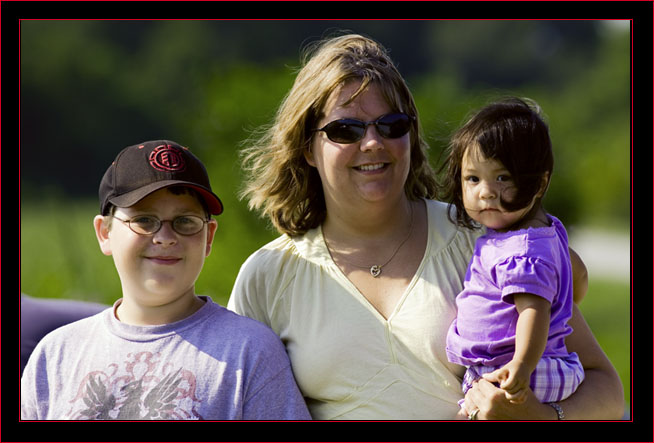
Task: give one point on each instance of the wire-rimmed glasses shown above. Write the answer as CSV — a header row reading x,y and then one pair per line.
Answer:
x,y
149,224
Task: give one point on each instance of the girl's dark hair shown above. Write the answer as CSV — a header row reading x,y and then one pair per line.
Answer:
x,y
511,131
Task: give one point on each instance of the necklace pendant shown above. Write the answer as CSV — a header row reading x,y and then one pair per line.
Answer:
x,y
375,271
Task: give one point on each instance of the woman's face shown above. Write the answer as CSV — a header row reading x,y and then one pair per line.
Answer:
x,y
373,169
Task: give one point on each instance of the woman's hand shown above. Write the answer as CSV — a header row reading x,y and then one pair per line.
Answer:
x,y
462,414
599,397
493,404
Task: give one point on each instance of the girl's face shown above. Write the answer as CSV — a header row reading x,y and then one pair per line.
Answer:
x,y
483,182
373,169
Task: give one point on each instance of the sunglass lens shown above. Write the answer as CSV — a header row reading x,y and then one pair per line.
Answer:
x,y
394,125
345,131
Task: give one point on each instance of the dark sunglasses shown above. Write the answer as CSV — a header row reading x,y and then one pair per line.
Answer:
x,y
350,130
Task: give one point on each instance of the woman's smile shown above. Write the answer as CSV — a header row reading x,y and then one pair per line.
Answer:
x,y
371,167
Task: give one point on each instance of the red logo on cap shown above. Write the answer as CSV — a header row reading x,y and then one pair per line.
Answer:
x,y
167,158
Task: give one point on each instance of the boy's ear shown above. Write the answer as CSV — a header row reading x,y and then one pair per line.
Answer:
x,y
102,233
212,225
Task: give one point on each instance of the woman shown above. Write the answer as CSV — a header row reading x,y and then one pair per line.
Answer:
x,y
361,284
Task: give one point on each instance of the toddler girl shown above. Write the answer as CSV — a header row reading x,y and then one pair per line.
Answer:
x,y
517,298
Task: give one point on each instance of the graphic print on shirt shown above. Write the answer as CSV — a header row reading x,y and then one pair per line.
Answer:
x,y
145,388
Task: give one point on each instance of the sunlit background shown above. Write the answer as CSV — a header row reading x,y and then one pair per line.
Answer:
x,y
90,88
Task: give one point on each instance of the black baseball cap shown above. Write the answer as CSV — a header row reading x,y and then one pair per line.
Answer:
x,y
141,169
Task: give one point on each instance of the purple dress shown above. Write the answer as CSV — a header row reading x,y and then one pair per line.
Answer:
x,y
482,337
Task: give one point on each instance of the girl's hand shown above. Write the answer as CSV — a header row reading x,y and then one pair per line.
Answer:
x,y
514,379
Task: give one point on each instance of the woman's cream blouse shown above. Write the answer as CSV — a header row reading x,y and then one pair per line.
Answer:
x,y
349,361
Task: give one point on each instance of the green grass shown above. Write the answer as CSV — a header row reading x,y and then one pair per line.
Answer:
x,y
60,258
606,308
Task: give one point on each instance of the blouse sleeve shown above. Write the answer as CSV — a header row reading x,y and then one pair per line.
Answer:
x,y
530,275
261,281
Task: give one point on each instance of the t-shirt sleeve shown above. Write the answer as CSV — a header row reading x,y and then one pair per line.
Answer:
x,y
40,316
33,386
530,275
278,399
28,408
271,392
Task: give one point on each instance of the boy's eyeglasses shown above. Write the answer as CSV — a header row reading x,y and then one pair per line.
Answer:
x,y
350,130
149,224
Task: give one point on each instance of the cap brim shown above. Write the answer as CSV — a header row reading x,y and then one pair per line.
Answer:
x,y
131,198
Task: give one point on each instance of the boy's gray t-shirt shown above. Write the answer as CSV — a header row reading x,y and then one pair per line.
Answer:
x,y
213,365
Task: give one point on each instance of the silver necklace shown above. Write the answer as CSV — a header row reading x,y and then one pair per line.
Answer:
x,y
375,270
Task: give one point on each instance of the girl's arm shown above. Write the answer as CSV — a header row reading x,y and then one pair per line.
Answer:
x,y
599,397
530,340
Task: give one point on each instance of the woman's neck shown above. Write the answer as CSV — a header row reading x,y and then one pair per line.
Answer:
x,y
372,223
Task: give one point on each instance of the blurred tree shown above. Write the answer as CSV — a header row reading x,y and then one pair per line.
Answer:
x,y
499,53
590,119
588,112
91,87
75,111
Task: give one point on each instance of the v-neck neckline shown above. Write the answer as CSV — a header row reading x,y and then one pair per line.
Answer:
x,y
327,259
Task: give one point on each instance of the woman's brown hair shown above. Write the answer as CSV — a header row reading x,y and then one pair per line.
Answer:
x,y
279,181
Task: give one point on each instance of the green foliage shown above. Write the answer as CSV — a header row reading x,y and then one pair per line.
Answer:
x,y
90,88
60,256
592,129
589,126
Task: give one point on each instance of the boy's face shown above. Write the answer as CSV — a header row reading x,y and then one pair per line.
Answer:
x,y
158,269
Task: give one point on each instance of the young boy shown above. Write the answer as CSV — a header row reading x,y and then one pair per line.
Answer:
x,y
161,352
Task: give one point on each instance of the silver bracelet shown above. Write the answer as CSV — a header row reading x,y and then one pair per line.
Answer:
x,y
559,410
